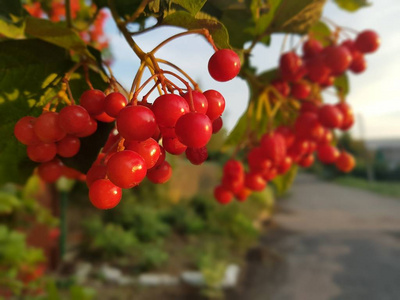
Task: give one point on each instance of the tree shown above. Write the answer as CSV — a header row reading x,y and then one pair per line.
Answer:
x,y
51,58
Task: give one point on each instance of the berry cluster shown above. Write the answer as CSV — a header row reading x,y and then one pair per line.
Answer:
x,y
144,132
300,80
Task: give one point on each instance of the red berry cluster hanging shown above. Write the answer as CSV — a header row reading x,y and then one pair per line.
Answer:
x,y
173,123
301,78
179,120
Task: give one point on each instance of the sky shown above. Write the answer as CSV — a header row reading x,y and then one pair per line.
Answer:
x,y
374,94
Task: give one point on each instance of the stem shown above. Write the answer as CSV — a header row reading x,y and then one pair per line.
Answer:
x,y
284,43
87,79
69,91
144,99
139,10
194,83
121,26
136,80
202,31
68,13
137,91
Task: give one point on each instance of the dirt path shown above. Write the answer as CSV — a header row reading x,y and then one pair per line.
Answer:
x,y
330,243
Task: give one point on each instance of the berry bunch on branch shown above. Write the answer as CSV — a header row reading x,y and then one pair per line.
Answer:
x,y
78,106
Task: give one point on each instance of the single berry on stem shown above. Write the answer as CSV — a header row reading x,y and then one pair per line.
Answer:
x,y
103,194
224,65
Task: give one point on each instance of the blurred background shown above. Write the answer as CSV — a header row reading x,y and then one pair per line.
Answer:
x,y
331,236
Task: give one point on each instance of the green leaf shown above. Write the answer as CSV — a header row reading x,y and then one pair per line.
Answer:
x,y
11,10
265,19
297,16
283,182
267,76
28,70
342,84
12,30
125,8
11,19
192,6
57,34
321,32
239,24
238,132
352,5
201,20
8,202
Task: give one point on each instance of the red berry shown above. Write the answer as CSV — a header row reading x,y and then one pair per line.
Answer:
x,y
161,158
348,115
308,127
281,86
299,149
222,195
257,160
196,155
72,173
136,123
330,116
317,70
309,107
287,133
311,48
289,65
111,144
233,168
103,117
367,41
50,171
47,128
233,184
359,64
93,101
224,65
90,128
285,165
148,149
104,194
327,154
24,132
68,146
126,169
345,162
161,173
194,130
217,125
74,119
216,104
95,172
167,132
42,152
337,58
200,102
270,174
301,90
327,137
113,104
274,147
243,194
255,182
306,161
173,146
168,108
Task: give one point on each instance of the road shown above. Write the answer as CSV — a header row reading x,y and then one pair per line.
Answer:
x,y
329,242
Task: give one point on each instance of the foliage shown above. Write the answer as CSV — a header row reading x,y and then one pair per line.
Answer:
x,y
136,233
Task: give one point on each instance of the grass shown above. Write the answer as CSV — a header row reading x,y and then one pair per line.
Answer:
x,y
382,188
